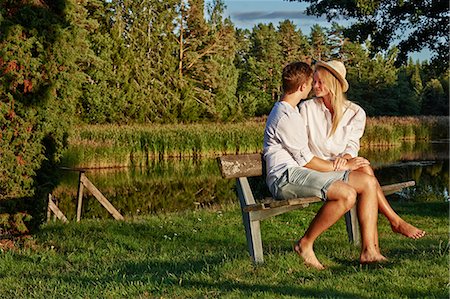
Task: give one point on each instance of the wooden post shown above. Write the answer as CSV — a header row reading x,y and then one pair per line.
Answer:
x,y
99,196
54,208
49,211
80,196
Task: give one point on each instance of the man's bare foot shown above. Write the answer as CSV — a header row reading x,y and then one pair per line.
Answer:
x,y
308,256
408,230
371,257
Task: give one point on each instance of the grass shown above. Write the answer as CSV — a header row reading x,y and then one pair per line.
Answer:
x,y
99,146
202,254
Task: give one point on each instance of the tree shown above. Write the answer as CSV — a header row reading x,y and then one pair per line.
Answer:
x,y
294,45
42,52
320,49
372,80
435,101
208,77
263,67
411,25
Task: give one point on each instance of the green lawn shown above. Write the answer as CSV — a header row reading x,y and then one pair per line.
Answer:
x,y
203,254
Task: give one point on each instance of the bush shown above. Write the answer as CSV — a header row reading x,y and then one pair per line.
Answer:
x,y
40,53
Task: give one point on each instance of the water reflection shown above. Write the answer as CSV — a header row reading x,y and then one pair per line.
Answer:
x,y
432,180
171,185
408,151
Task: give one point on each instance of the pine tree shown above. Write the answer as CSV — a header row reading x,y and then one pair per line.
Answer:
x,y
435,101
131,77
206,55
42,50
372,81
264,65
294,45
319,43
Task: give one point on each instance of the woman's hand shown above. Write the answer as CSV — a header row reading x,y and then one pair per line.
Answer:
x,y
357,162
339,164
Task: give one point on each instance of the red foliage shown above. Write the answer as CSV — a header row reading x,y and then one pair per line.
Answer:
x,y
20,160
12,66
27,86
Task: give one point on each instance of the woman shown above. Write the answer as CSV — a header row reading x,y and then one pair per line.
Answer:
x,y
335,126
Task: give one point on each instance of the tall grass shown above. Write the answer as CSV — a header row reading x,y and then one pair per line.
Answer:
x,y
135,145
393,130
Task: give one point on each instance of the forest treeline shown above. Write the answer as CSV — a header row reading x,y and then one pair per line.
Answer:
x,y
123,61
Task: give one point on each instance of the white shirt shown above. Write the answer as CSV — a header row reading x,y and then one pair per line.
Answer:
x,y
319,123
285,141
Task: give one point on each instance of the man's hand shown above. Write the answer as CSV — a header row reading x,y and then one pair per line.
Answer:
x,y
339,164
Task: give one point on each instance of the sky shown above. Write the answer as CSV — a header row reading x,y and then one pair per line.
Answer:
x,y
248,13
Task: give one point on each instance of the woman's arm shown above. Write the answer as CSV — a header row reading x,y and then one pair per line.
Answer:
x,y
292,134
358,124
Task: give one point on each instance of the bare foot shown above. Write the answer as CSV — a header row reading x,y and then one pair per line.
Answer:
x,y
371,257
408,230
308,256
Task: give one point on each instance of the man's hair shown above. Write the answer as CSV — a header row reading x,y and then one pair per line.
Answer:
x,y
294,75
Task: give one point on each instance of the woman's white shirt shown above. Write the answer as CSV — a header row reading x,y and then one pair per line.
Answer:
x,y
318,121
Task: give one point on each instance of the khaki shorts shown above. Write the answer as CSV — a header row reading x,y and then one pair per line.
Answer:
x,y
299,182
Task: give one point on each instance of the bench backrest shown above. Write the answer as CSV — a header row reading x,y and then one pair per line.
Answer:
x,y
238,166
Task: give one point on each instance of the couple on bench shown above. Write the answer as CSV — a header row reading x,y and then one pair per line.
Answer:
x,y
311,149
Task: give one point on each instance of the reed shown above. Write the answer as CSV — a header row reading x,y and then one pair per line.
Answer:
x,y
388,131
99,146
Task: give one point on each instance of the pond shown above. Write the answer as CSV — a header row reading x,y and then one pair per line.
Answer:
x,y
180,184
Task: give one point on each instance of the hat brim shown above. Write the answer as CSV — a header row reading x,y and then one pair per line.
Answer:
x,y
335,73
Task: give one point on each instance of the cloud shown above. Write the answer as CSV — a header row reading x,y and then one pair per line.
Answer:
x,y
273,15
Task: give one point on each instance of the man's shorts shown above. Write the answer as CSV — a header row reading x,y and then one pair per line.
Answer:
x,y
299,182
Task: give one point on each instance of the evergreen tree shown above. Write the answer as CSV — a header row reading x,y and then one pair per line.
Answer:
x,y
206,55
294,45
264,67
411,25
408,99
337,41
435,101
320,49
42,50
247,101
372,81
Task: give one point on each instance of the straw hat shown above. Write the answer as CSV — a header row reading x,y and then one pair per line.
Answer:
x,y
337,68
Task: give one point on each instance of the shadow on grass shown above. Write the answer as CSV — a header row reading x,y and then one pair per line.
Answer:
x,y
169,276
423,209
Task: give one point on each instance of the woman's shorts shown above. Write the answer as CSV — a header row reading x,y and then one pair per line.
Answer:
x,y
299,182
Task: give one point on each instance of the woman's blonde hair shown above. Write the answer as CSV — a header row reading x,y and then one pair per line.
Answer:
x,y
338,98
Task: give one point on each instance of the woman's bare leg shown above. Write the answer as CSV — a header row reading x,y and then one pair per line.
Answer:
x,y
398,225
340,199
367,208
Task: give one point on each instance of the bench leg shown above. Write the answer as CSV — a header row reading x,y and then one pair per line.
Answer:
x,y
252,228
351,222
253,235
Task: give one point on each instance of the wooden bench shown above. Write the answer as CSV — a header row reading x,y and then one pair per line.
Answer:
x,y
241,167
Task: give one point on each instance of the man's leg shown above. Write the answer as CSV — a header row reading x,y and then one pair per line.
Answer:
x,y
340,199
